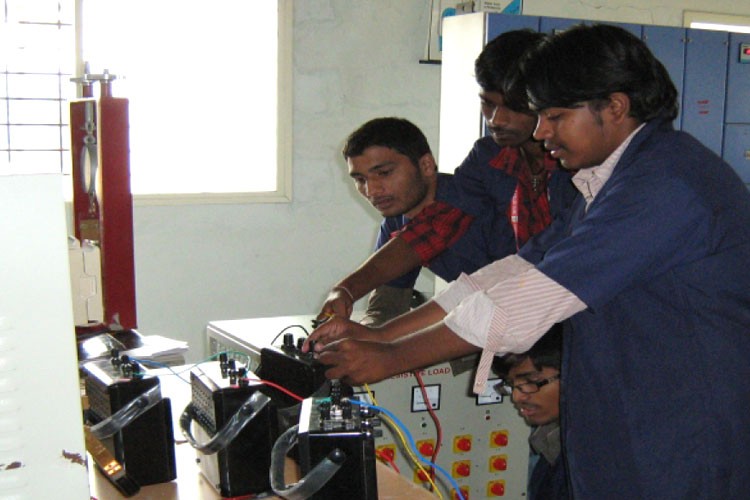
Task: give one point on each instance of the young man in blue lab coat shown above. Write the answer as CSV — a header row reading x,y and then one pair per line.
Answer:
x,y
506,190
650,266
532,380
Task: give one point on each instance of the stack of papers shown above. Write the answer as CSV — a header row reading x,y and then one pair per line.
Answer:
x,y
159,350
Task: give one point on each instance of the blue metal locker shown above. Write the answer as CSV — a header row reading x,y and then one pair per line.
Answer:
x,y
705,86
738,92
500,23
555,24
668,45
737,148
737,121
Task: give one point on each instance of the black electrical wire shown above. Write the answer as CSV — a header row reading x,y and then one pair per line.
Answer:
x,y
307,334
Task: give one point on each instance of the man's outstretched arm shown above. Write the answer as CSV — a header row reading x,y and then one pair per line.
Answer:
x,y
391,261
360,361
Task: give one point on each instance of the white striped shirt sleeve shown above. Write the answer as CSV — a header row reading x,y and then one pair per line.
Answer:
x,y
505,307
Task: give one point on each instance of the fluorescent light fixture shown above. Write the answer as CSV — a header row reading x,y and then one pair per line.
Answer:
x,y
717,22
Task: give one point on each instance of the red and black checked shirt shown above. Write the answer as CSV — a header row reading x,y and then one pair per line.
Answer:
x,y
529,211
440,225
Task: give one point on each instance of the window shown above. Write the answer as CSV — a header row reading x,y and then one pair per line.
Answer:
x,y
201,79
37,54
208,85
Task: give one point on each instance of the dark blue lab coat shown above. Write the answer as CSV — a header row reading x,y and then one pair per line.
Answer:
x,y
656,393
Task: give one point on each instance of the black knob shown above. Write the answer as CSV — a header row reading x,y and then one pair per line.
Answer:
x,y
223,365
289,340
337,456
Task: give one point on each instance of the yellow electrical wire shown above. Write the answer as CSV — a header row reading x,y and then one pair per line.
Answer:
x,y
406,446
372,396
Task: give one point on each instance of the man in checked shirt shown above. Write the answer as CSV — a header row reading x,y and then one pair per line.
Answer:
x,y
506,190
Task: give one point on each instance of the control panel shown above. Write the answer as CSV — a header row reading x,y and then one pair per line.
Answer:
x,y
484,444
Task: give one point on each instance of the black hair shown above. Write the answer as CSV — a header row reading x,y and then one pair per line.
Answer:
x,y
546,352
497,67
395,133
589,63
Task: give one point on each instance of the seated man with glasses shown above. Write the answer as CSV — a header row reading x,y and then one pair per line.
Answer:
x,y
532,380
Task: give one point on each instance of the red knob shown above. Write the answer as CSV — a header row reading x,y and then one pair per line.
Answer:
x,y
463,444
463,469
497,489
500,463
501,439
426,449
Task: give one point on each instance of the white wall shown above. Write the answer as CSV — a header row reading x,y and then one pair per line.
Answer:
x,y
353,60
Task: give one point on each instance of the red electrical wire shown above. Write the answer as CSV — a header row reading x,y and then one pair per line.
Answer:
x,y
435,419
277,386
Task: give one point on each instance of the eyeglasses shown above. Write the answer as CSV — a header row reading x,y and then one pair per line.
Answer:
x,y
525,388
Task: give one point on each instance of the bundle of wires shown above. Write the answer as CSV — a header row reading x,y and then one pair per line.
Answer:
x,y
411,447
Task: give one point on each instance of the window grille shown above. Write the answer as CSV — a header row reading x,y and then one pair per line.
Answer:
x,y
37,53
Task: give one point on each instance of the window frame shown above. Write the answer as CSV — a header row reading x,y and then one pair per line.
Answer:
x,y
284,141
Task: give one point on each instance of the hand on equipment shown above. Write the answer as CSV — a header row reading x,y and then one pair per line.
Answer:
x,y
336,328
339,302
352,351
356,362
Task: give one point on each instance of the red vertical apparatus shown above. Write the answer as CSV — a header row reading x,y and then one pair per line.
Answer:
x,y
102,201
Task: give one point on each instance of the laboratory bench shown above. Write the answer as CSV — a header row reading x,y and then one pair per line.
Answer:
x,y
191,485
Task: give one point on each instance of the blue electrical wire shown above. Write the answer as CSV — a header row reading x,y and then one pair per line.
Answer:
x,y
148,362
413,445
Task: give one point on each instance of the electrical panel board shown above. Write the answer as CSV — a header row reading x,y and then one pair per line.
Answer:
x,y
484,445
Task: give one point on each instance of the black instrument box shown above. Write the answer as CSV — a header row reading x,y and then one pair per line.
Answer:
x,y
145,446
242,466
292,369
323,430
